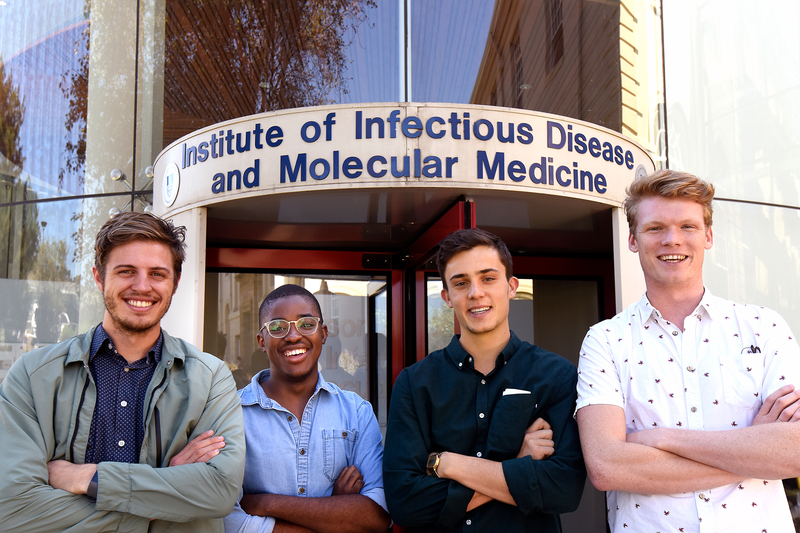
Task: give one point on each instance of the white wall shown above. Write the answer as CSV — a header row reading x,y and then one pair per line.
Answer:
x,y
185,317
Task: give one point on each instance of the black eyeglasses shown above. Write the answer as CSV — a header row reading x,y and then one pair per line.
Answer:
x,y
278,329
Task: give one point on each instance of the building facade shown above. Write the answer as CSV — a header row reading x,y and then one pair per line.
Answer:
x,y
333,144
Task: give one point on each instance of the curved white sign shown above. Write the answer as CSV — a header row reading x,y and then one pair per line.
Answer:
x,y
397,145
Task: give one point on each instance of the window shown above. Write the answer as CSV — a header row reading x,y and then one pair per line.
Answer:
x,y
518,80
555,47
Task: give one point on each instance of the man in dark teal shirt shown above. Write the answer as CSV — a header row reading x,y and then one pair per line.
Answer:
x,y
481,435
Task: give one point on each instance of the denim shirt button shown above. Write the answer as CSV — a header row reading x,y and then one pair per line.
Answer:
x,y
301,490
290,418
302,451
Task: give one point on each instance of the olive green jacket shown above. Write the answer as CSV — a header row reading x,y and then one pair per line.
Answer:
x,y
47,402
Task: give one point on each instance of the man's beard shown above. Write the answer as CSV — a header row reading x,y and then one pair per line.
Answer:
x,y
131,327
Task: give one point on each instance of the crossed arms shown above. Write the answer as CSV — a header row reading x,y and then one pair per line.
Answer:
x,y
346,510
486,477
356,496
669,461
544,475
39,494
75,478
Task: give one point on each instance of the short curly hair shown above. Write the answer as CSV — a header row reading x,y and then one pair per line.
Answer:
x,y
287,291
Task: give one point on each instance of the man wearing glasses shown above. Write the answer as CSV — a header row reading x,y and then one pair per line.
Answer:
x,y
314,451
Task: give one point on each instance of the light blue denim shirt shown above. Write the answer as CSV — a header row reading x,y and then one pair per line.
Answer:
x,y
304,459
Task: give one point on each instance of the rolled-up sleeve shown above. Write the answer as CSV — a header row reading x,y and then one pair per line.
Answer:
x,y
368,455
240,522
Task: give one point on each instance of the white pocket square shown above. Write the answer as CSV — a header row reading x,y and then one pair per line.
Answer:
x,y
509,392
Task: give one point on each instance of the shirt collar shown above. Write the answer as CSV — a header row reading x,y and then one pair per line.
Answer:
x,y
253,393
709,305
706,306
463,360
101,338
645,309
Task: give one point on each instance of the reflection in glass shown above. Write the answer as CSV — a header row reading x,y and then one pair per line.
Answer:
x,y
11,118
520,312
441,319
733,109
231,59
353,309
380,347
44,51
39,277
563,311
593,61
447,42
755,258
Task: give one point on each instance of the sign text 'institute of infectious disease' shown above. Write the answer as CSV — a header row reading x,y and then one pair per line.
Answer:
x,y
391,145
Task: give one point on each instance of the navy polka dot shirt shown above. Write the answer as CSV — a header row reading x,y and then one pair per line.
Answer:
x,y
117,429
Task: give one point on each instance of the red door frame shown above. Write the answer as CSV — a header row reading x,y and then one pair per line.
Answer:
x,y
460,216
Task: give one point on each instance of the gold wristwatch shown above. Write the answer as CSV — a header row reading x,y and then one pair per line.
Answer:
x,y
433,464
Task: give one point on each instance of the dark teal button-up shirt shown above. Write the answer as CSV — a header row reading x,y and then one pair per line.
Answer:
x,y
443,404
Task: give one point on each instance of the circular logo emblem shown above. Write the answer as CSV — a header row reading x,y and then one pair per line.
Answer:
x,y
641,172
171,184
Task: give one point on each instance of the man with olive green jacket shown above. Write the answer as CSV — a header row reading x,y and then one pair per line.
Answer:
x,y
122,428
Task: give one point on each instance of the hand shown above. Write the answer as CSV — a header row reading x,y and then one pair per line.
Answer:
x,y
538,441
70,477
349,481
645,437
783,405
199,450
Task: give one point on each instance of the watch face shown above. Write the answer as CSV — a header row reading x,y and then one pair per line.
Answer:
x,y
432,460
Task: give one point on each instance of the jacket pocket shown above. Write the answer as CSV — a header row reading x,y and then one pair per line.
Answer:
x,y
511,417
337,447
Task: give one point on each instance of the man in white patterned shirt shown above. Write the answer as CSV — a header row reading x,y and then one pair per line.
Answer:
x,y
684,398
